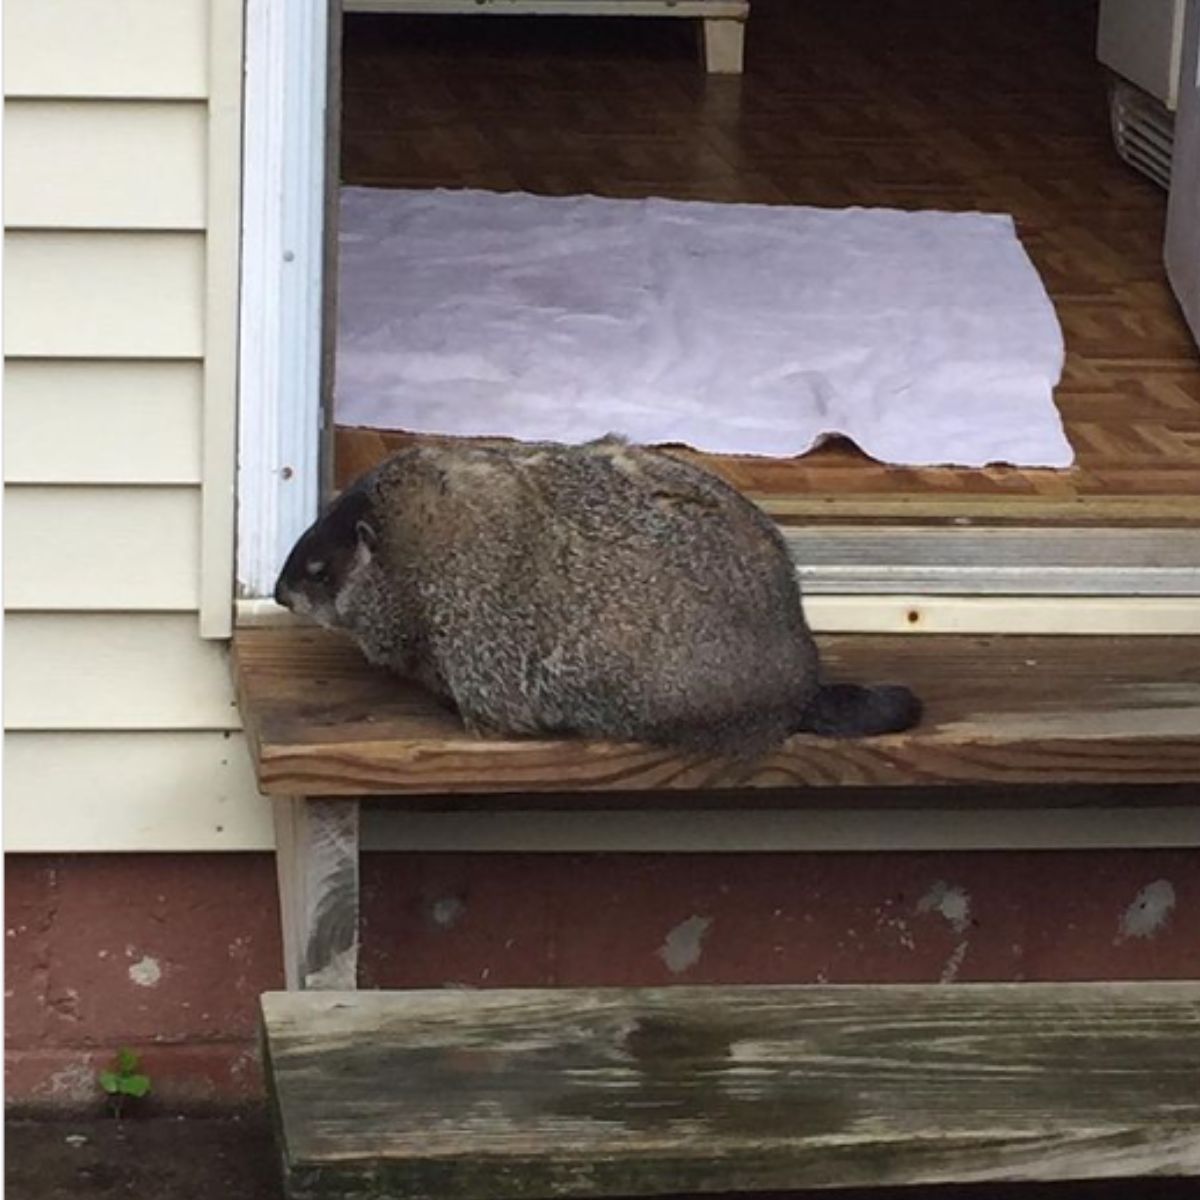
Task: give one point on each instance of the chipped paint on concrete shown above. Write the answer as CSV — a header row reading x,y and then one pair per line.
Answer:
x,y
146,972
953,905
1149,912
245,1063
954,963
898,925
74,1084
447,911
683,946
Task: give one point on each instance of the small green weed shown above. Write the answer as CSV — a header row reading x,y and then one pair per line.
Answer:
x,y
124,1081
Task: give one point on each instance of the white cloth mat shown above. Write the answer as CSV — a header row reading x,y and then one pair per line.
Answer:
x,y
926,337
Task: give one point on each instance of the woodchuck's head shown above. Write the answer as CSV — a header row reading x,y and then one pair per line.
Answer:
x,y
330,560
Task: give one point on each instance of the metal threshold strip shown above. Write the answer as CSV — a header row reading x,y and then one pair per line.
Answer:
x,y
859,560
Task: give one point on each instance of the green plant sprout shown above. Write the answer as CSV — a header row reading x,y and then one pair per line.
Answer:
x,y
124,1080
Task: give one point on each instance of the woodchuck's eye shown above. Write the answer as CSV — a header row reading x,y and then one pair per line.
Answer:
x,y
317,571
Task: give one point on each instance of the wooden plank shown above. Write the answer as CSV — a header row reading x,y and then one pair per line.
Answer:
x,y
999,711
316,860
95,164
103,295
121,49
102,422
102,548
122,792
102,671
621,1092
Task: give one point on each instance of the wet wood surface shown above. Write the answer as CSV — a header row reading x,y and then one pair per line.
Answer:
x,y
1000,711
488,1095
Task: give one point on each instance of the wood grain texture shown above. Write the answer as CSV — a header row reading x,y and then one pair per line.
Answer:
x,y
316,858
999,711
901,104
497,1094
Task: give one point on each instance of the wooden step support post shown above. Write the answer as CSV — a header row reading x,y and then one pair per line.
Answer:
x,y
316,860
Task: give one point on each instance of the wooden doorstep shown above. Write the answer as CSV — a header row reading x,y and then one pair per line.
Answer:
x,y
489,1095
999,711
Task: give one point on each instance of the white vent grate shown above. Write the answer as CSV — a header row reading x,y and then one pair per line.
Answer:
x,y
1143,131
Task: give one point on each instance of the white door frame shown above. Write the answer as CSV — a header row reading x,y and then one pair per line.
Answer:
x,y
283,240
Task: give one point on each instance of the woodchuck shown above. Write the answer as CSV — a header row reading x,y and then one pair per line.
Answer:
x,y
604,590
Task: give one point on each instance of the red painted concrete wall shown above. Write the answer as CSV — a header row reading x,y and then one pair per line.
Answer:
x,y
168,953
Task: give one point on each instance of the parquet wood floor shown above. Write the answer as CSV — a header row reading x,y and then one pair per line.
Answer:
x,y
998,105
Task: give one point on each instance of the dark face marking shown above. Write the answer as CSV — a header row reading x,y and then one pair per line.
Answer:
x,y
323,557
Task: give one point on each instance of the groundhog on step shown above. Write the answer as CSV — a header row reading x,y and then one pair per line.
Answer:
x,y
603,590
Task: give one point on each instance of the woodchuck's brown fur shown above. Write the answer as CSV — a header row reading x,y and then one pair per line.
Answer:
x,y
604,590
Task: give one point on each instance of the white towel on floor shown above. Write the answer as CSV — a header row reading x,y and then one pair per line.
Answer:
x,y
926,337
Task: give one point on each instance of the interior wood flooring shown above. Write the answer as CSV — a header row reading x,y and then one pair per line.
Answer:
x,y
904,103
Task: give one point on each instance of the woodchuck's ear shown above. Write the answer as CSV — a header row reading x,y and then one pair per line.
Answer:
x,y
367,537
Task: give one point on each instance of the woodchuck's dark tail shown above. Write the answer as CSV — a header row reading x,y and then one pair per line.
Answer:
x,y
852,710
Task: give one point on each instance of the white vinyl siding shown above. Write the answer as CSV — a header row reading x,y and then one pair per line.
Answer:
x,y
88,421
114,670
103,295
115,791
122,155
153,49
127,548
85,164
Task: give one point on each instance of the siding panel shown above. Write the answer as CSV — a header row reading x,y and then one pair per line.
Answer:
x,y
104,295
121,671
116,48
104,165
102,422
123,548
83,792
122,163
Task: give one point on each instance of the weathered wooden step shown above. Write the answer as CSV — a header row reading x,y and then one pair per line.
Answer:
x,y
492,1095
1000,711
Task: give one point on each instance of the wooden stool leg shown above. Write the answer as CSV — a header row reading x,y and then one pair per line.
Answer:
x,y
316,857
724,43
